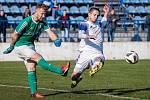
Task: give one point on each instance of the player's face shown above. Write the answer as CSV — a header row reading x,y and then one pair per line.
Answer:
x,y
41,14
93,15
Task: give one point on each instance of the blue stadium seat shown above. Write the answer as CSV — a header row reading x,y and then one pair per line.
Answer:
x,y
10,19
126,1
147,9
138,20
88,1
140,9
68,1
133,1
79,19
72,20
20,1
64,8
32,9
144,19
59,1
18,19
51,20
30,1
145,1
2,1
131,9
74,10
79,1
6,9
137,1
10,1
83,9
23,8
14,9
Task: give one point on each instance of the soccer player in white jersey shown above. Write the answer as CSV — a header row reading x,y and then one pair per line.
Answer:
x,y
91,45
23,45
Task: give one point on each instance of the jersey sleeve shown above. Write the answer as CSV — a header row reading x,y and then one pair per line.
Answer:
x,y
22,25
82,30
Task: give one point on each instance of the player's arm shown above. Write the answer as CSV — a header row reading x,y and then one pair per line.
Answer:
x,y
54,37
83,32
51,34
15,36
106,10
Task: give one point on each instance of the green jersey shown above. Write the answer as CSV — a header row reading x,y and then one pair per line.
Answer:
x,y
29,30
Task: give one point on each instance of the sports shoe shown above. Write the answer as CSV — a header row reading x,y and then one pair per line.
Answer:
x,y
37,95
75,82
65,68
95,69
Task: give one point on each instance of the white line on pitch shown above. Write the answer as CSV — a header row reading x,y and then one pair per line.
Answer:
x,y
58,90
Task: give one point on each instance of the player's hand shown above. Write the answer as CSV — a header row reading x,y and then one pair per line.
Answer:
x,y
57,42
9,49
106,8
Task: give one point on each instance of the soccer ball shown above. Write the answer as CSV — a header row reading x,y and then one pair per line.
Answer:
x,y
131,57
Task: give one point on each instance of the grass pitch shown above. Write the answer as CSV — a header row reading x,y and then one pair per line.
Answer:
x,y
117,80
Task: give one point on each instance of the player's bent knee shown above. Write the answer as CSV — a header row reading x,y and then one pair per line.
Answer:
x,y
30,69
36,57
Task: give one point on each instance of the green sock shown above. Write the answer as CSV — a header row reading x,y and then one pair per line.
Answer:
x,y
32,81
43,64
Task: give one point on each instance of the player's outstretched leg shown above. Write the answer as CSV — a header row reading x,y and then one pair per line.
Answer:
x,y
76,78
62,71
96,69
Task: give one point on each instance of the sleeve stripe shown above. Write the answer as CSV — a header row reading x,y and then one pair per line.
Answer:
x,y
22,26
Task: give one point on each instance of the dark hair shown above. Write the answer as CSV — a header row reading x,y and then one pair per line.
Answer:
x,y
94,8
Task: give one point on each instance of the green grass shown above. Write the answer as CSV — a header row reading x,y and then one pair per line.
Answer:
x,y
115,81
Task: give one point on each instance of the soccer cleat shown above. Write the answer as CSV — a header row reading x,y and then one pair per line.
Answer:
x,y
65,68
95,69
75,82
37,96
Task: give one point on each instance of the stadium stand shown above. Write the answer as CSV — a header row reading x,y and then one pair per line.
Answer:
x,y
129,14
74,9
2,1
6,9
79,1
68,1
79,19
51,20
20,1
83,9
14,9
64,8
22,9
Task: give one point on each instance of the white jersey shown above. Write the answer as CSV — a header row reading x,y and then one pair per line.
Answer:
x,y
89,28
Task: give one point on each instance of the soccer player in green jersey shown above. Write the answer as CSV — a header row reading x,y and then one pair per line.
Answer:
x,y
23,45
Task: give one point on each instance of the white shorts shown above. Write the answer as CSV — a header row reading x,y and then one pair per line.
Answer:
x,y
88,59
25,52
